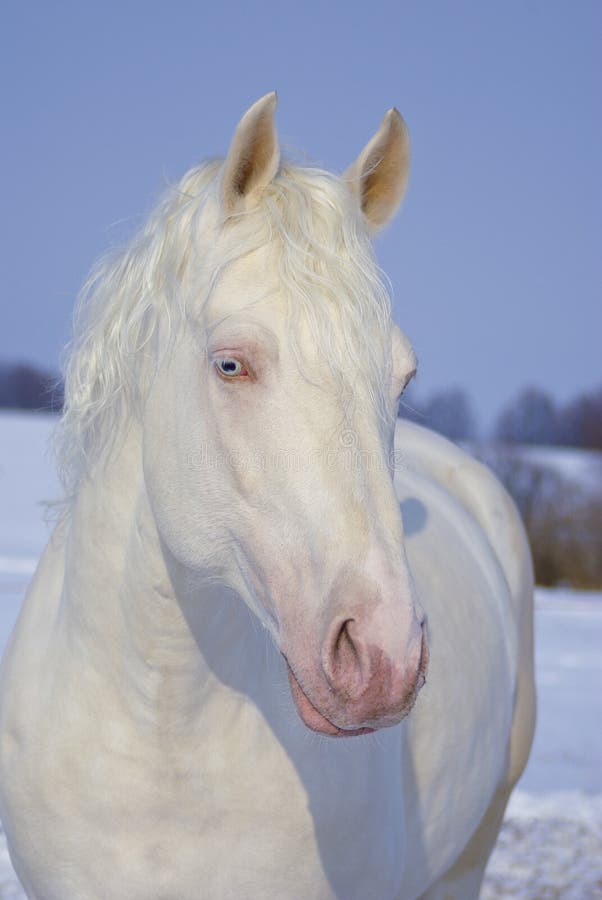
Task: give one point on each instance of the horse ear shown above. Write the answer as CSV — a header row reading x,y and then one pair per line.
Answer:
x,y
379,176
253,157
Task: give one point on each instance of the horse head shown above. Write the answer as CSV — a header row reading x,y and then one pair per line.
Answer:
x,y
268,427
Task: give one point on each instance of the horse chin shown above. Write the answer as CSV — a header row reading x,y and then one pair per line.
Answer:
x,y
313,718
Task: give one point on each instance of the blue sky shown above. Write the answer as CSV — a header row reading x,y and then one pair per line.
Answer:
x,y
495,258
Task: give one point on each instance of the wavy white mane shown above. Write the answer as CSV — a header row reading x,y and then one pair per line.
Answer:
x,y
135,302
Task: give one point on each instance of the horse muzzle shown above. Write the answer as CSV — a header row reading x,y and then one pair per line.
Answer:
x,y
357,685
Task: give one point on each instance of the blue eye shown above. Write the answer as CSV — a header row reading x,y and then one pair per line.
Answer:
x,y
228,367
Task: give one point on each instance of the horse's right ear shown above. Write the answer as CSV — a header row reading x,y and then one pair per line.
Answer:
x,y
253,157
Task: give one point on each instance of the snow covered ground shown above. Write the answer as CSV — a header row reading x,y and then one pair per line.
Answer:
x,y
582,467
551,843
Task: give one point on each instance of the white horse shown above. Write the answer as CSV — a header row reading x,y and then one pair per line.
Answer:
x,y
228,448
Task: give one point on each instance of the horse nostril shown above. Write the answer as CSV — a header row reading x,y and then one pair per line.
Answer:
x,y
343,659
345,650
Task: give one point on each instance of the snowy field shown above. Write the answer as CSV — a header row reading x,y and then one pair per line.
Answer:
x,y
551,843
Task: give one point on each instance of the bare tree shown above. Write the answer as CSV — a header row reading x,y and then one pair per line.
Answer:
x,y
530,419
581,421
23,386
562,519
448,411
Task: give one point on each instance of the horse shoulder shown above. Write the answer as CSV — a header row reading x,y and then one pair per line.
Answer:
x,y
482,495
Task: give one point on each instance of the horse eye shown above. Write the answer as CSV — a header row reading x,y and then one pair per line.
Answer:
x,y
228,367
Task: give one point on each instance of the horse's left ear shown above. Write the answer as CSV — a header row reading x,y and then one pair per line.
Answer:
x,y
253,157
379,176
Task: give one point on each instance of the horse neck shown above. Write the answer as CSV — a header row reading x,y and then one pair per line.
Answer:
x,y
138,620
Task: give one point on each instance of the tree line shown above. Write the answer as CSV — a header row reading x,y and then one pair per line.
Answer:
x,y
24,386
562,515
533,417
563,518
